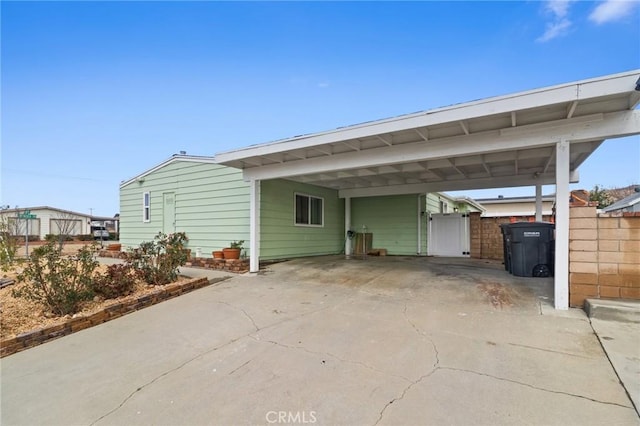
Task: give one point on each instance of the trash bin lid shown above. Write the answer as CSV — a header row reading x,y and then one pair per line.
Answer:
x,y
531,225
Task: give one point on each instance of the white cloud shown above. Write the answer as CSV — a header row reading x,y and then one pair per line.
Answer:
x,y
555,29
560,24
559,8
613,10
323,84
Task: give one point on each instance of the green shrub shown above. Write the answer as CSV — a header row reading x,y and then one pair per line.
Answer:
x,y
60,283
84,237
118,280
8,250
156,262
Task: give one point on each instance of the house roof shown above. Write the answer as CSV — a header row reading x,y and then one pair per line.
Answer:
x,y
627,201
462,199
88,216
496,142
172,159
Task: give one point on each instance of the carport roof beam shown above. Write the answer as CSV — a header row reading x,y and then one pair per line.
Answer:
x,y
615,124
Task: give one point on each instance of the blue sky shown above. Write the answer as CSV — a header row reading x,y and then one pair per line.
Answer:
x,y
94,93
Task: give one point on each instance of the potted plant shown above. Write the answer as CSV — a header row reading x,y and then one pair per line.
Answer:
x,y
234,249
218,254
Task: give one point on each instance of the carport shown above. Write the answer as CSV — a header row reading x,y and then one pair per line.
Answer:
x,y
532,138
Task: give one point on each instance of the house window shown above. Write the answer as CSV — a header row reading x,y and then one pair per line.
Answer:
x,y
443,207
146,207
309,210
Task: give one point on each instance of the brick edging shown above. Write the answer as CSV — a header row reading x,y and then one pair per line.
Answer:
x,y
38,336
237,266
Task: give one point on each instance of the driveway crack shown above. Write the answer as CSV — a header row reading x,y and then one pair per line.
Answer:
x,y
329,354
243,311
402,395
535,387
436,366
166,373
422,334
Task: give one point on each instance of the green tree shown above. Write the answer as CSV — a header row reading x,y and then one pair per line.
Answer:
x,y
601,196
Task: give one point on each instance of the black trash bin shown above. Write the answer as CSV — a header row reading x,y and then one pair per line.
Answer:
x,y
530,249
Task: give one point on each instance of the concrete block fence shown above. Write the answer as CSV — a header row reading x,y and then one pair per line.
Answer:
x,y
604,255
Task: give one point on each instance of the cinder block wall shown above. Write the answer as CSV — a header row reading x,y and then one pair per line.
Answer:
x,y
604,255
486,236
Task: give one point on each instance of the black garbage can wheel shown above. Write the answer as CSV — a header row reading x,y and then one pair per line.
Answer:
x,y
541,271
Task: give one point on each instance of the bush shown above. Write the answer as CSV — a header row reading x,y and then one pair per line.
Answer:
x,y
113,236
157,261
60,283
20,238
57,238
119,280
84,237
8,250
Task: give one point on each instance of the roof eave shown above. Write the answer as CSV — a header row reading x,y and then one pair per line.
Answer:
x,y
173,158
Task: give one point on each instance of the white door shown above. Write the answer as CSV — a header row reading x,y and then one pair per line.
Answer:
x,y
449,235
169,212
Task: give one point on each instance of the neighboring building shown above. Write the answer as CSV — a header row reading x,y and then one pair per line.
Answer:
x,y
51,220
629,204
517,207
210,203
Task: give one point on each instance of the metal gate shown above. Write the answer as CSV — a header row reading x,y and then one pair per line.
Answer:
x,y
448,235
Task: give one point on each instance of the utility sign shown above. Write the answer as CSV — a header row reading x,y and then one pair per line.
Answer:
x,y
26,215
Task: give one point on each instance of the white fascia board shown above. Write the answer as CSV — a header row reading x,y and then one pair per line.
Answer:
x,y
521,213
569,92
457,185
602,126
471,202
172,159
507,200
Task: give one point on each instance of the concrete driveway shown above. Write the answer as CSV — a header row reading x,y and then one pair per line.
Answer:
x,y
330,341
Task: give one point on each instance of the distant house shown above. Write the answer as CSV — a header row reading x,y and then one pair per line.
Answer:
x,y
51,220
628,204
517,207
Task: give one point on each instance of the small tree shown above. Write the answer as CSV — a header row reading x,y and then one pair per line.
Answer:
x,y
601,196
66,223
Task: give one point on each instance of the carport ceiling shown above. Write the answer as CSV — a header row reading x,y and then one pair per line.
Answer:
x,y
496,142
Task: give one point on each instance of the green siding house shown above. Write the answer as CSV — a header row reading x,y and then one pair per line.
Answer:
x,y
210,203
190,194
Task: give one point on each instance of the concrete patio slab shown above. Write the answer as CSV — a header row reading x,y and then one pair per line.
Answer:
x,y
330,341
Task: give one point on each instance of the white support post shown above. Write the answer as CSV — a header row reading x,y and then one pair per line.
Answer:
x,y
347,226
254,225
538,203
419,226
561,276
